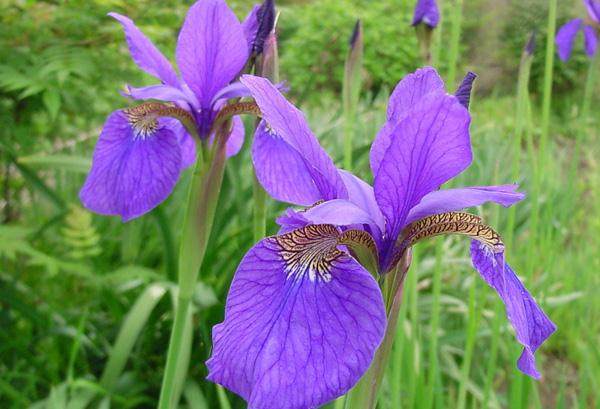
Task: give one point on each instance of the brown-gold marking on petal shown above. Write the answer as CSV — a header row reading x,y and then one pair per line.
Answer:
x,y
452,223
144,118
311,249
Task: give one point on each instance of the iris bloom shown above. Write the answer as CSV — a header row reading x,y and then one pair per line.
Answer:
x,y
565,38
142,150
303,317
426,12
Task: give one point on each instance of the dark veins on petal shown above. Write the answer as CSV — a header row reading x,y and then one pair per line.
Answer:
x,y
311,250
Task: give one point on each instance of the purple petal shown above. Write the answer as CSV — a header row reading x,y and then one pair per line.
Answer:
x,y
233,90
281,169
250,26
429,147
297,333
361,194
163,93
211,49
451,200
131,174
591,40
291,220
145,54
426,12
593,8
340,212
532,326
405,96
566,37
185,140
289,124
236,138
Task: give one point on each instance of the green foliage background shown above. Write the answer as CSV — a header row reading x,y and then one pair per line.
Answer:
x,y
69,278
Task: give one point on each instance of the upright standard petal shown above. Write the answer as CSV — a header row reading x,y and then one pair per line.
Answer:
x,y
211,48
145,54
288,123
302,322
409,91
590,40
565,38
428,148
451,200
532,326
426,12
132,170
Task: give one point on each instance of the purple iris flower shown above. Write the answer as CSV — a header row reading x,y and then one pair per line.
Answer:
x,y
426,12
140,154
565,38
303,318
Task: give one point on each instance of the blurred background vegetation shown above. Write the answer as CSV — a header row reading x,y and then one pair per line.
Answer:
x,y
69,278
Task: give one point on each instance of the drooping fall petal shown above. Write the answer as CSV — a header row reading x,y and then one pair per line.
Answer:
x,y
565,38
132,172
532,326
302,322
590,37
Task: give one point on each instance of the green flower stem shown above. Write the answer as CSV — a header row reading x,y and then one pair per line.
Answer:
x,y
454,42
548,74
589,88
202,201
364,394
351,92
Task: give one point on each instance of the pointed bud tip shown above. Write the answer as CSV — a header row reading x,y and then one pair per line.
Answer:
x,y
463,93
356,32
531,43
266,23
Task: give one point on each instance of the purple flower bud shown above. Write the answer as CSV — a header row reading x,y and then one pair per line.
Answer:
x,y
530,46
463,93
266,21
355,33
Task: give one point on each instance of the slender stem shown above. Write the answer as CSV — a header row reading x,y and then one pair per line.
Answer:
x,y
202,201
175,350
589,88
548,74
364,394
435,322
454,42
351,92
472,322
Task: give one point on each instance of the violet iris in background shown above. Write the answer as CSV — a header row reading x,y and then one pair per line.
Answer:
x,y
303,318
140,154
565,38
426,12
